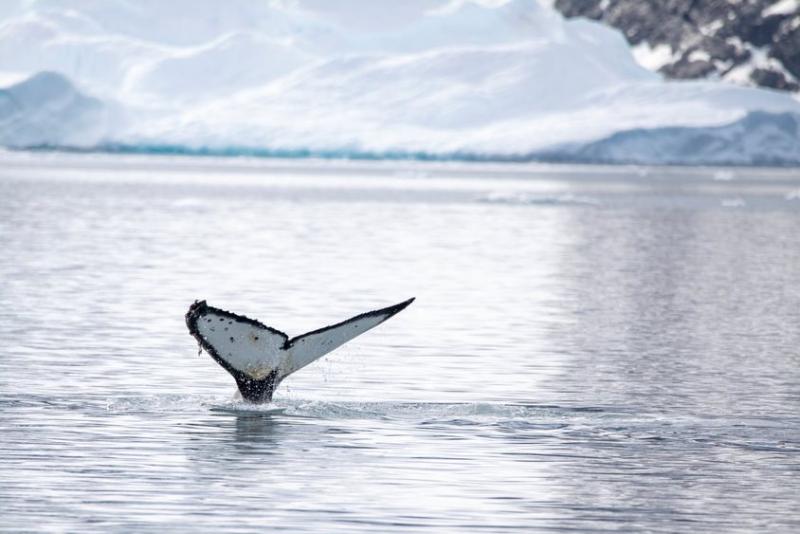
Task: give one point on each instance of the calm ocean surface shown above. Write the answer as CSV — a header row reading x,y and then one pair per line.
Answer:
x,y
591,349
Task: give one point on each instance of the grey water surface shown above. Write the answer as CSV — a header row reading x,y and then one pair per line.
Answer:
x,y
592,349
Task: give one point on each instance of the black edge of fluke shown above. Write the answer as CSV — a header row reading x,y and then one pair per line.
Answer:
x,y
199,307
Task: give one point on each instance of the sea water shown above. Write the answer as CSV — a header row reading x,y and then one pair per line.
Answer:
x,y
591,349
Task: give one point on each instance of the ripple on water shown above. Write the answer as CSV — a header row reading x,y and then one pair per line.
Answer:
x,y
590,349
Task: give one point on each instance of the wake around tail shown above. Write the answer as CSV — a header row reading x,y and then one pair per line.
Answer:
x,y
258,356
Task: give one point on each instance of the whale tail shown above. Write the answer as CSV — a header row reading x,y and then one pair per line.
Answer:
x,y
258,356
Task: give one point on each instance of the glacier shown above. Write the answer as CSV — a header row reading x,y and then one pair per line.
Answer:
x,y
482,78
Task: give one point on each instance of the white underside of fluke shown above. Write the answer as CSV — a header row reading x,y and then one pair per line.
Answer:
x,y
256,350
248,348
310,347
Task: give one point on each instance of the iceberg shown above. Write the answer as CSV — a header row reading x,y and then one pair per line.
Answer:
x,y
471,78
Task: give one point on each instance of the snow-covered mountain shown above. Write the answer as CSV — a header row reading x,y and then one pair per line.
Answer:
x,y
751,42
486,77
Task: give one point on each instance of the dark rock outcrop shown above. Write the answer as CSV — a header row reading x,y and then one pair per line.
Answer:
x,y
746,41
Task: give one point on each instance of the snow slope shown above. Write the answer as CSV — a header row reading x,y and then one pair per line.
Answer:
x,y
499,77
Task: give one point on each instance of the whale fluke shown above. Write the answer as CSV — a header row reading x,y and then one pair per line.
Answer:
x,y
258,356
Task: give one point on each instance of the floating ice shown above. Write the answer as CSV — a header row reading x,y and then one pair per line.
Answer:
x,y
733,203
519,198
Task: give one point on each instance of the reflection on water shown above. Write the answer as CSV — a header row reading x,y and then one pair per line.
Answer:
x,y
591,348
